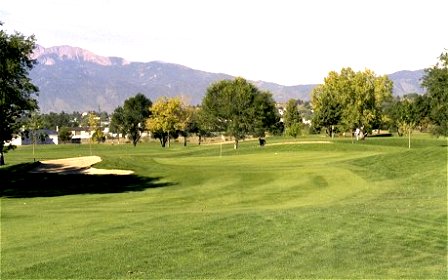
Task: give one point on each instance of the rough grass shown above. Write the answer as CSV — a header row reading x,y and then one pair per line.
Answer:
x,y
370,209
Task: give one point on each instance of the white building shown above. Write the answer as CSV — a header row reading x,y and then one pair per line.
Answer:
x,y
43,136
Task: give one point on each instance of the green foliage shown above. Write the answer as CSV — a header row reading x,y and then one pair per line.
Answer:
x,y
292,114
117,123
327,108
130,119
292,119
238,108
167,117
406,118
422,105
64,134
353,99
98,135
266,114
53,120
435,81
16,88
294,130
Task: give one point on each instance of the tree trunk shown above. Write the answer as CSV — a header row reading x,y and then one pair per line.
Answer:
x,y
164,140
2,158
185,141
200,138
235,146
161,141
409,139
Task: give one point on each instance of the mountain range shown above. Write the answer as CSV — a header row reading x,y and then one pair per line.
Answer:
x,y
74,79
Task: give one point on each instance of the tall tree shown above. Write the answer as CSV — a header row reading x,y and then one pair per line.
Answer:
x,y
267,117
34,124
407,117
292,118
16,88
189,123
327,109
231,106
363,100
360,96
93,123
423,110
167,118
131,118
435,81
117,123
200,124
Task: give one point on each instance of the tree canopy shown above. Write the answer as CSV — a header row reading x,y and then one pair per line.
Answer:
x,y
327,109
167,117
435,81
16,89
130,119
237,108
351,99
292,118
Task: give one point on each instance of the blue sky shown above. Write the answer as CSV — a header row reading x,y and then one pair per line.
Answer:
x,y
284,41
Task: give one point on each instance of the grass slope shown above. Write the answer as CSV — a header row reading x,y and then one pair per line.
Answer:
x,y
342,210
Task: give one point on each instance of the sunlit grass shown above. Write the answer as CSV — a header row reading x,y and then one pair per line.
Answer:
x,y
370,209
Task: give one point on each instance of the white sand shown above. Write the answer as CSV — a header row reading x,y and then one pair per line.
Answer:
x,y
77,165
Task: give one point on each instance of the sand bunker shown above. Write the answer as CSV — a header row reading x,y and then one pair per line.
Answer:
x,y
77,165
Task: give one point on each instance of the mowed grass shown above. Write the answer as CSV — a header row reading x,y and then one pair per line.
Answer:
x,y
371,209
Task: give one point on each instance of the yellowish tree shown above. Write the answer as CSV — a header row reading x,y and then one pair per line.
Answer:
x,y
167,118
93,124
352,99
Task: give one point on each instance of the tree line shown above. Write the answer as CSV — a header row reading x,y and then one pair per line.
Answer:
x,y
347,101
232,107
362,101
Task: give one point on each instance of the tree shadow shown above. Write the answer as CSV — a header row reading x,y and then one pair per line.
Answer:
x,y
18,182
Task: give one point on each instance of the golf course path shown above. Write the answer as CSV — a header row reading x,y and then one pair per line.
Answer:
x,y
77,165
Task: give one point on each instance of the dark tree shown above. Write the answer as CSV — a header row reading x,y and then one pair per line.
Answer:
x,y
64,134
117,122
267,117
16,88
237,108
435,81
130,119
53,120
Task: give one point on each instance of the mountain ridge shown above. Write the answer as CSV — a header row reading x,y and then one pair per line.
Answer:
x,y
75,79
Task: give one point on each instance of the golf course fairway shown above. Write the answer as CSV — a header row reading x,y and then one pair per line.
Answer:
x,y
295,208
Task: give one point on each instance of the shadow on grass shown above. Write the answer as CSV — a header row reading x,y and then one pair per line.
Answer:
x,y
17,182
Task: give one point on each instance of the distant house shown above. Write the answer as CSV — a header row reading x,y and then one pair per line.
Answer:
x,y
43,136
80,134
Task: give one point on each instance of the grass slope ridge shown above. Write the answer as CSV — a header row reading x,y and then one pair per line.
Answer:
x,y
364,210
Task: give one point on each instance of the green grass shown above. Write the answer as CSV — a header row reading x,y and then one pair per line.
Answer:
x,y
370,209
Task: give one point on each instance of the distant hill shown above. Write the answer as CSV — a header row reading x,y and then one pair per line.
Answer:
x,y
74,79
407,82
